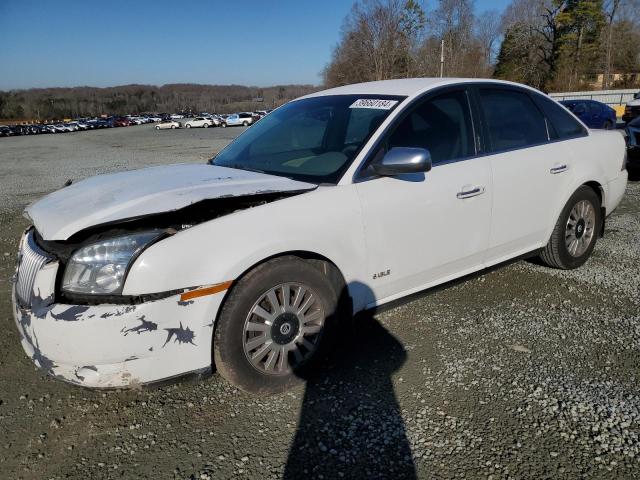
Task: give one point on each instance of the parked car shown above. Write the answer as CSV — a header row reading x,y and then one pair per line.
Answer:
x,y
593,114
5,131
120,122
199,122
632,109
165,124
632,131
335,203
238,119
176,116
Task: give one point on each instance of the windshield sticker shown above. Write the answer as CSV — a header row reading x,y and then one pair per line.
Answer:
x,y
374,103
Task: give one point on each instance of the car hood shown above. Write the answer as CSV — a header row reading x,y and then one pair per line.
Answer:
x,y
132,194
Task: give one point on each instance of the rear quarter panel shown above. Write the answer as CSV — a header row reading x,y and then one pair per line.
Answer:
x,y
595,158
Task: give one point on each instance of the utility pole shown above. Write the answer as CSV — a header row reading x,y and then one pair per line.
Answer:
x,y
442,58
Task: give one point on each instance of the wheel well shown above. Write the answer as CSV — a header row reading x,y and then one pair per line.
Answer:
x,y
322,263
596,187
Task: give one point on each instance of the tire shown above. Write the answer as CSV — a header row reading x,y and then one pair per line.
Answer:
x,y
557,252
158,127
245,124
188,126
173,127
223,125
206,125
233,335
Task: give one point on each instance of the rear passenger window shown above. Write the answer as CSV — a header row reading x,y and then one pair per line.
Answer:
x,y
513,120
442,125
561,123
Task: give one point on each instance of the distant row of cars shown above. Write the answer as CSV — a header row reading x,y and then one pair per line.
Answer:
x,y
206,120
81,124
162,121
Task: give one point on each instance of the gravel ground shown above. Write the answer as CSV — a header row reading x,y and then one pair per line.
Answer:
x,y
518,372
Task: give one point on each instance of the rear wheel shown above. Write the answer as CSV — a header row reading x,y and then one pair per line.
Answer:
x,y
188,126
246,124
158,127
223,125
206,125
173,127
275,326
576,231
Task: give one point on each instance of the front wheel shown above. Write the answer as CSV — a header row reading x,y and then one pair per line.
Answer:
x,y
275,326
206,125
188,126
223,125
246,124
173,127
576,231
158,128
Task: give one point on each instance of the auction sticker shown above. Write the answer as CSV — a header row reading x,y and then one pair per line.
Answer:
x,y
374,103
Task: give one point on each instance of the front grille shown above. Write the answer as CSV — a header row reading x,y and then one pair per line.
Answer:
x,y
32,259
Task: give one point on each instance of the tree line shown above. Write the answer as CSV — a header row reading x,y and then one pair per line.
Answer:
x,y
553,45
57,103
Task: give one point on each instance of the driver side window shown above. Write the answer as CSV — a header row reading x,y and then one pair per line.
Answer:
x,y
442,125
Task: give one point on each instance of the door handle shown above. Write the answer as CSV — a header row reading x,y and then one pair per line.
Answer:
x,y
559,168
469,191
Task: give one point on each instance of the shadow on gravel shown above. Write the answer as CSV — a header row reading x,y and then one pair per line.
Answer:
x,y
350,423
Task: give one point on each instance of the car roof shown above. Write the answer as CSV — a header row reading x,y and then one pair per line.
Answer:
x,y
408,87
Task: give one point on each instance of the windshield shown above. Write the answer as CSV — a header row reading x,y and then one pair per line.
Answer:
x,y
313,139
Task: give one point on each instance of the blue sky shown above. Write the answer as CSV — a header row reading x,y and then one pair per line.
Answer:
x,y
72,43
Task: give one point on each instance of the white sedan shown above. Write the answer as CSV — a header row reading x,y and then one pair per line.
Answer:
x,y
334,203
166,124
199,122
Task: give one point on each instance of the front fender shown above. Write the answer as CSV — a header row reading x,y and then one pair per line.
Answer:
x,y
326,221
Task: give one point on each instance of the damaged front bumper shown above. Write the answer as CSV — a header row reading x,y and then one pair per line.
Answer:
x,y
111,346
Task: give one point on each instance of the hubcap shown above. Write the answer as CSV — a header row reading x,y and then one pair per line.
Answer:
x,y
283,329
580,228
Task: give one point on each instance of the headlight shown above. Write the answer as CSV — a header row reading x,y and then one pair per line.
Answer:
x,y
100,268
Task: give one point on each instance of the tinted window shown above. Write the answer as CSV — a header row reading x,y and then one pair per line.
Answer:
x,y
513,120
442,125
594,108
561,123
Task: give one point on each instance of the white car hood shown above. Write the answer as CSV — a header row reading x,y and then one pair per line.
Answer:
x,y
124,195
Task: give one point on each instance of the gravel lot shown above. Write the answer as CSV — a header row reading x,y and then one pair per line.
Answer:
x,y
519,372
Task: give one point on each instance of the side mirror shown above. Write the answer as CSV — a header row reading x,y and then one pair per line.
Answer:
x,y
401,160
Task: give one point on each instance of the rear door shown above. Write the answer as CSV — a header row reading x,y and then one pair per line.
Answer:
x,y
531,173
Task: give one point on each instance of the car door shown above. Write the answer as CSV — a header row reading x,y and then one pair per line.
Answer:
x,y
531,174
422,229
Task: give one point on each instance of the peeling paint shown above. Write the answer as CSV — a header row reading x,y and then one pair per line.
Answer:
x,y
71,314
181,334
25,318
40,306
38,357
145,326
119,312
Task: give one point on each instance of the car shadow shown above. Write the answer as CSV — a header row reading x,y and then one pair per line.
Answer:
x,y
350,423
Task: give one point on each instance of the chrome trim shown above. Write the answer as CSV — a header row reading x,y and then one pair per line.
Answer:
x,y
30,260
